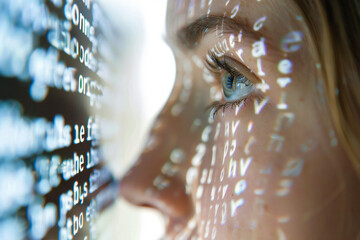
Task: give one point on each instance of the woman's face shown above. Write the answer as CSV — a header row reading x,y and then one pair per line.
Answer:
x,y
245,147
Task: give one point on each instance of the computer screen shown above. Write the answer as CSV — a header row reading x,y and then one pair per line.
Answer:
x,y
56,57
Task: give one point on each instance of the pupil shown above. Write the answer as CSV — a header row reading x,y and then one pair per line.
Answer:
x,y
230,81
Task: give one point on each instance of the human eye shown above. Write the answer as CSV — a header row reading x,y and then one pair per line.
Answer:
x,y
235,80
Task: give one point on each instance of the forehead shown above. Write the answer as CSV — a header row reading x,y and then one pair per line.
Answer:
x,y
182,13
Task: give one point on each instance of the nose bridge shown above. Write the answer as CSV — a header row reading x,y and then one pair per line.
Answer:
x,y
158,179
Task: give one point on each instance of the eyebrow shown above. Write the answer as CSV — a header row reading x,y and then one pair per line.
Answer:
x,y
191,35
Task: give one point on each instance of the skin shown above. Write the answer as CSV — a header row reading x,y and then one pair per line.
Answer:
x,y
270,167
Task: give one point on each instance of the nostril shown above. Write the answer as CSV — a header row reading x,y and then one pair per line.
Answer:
x,y
145,205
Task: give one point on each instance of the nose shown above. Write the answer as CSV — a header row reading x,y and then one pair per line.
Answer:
x,y
157,179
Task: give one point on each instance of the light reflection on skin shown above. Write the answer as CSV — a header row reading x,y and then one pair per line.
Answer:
x,y
267,168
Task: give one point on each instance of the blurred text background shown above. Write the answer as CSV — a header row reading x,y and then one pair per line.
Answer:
x,y
142,85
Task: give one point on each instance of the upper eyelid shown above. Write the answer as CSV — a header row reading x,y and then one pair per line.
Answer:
x,y
232,66
224,65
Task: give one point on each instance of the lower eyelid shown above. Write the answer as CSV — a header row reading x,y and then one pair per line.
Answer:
x,y
215,107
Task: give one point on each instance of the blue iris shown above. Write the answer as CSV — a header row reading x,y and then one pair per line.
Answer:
x,y
230,81
236,87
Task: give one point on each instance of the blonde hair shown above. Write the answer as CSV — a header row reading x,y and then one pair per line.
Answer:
x,y
335,27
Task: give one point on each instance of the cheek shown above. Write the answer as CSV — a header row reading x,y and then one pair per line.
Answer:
x,y
255,168
267,170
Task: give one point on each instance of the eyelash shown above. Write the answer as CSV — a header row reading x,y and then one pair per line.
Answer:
x,y
216,67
